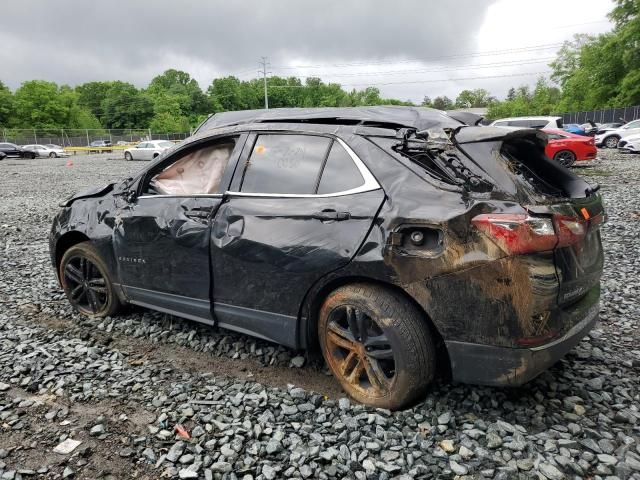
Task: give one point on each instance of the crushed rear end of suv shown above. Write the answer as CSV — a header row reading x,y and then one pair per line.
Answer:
x,y
399,241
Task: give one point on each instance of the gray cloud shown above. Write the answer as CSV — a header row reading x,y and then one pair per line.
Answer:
x,y
73,41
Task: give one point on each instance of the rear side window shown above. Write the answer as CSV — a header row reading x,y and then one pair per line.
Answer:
x,y
285,164
340,173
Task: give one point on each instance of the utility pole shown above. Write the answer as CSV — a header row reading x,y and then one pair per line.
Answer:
x,y
264,63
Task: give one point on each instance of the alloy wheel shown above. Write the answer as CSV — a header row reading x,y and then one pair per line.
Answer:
x,y
611,142
565,158
86,285
359,351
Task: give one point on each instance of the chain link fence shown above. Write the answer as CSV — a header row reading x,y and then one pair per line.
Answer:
x,y
65,137
603,115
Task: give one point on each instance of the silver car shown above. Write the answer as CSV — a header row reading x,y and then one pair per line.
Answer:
x,y
48,150
147,150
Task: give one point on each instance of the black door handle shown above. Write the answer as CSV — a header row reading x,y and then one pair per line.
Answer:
x,y
328,215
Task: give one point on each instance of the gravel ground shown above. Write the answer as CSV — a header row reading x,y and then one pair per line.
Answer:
x,y
148,396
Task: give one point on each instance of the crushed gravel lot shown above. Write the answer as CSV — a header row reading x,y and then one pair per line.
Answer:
x,y
145,395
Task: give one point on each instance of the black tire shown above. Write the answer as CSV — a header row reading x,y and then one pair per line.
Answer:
x,y
86,283
156,155
377,344
611,141
53,155
127,156
565,158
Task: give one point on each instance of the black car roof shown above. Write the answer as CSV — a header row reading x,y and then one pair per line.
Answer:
x,y
421,118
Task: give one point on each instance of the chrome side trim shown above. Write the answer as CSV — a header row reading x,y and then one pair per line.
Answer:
x,y
370,183
199,195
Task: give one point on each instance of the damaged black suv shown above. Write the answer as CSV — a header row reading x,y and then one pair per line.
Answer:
x,y
399,240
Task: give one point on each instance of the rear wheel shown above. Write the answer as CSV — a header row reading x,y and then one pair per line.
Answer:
x,y
565,157
611,142
377,345
127,156
86,283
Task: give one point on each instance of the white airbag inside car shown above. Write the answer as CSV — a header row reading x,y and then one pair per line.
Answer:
x,y
199,172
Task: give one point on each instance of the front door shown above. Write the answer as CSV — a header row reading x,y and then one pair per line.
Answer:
x,y
161,239
302,209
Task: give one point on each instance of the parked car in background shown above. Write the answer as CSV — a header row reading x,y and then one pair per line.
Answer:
x,y
349,230
147,150
100,146
50,150
13,150
604,127
567,148
575,129
528,122
630,144
610,138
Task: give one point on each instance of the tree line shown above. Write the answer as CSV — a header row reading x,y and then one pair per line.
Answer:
x,y
589,72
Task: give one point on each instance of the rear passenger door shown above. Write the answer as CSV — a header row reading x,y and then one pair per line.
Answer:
x,y
299,207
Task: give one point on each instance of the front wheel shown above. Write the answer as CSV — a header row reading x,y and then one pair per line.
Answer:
x,y
377,344
611,142
86,283
53,155
565,158
127,156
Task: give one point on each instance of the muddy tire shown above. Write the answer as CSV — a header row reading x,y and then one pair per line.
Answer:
x,y
566,158
86,283
377,344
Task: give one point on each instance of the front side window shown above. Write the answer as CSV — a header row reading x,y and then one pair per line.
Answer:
x,y
196,171
285,164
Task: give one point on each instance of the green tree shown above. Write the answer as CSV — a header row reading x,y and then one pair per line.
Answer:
x,y
126,107
179,84
474,98
6,105
442,103
92,94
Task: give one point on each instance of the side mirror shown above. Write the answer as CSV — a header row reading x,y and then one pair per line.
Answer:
x,y
130,196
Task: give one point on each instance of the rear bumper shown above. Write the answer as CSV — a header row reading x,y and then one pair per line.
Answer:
x,y
491,365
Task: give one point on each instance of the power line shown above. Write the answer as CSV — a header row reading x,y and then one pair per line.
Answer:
x,y
512,63
530,48
423,81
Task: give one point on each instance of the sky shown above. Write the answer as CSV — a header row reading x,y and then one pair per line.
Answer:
x,y
407,48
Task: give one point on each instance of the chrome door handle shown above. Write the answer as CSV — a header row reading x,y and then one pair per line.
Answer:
x,y
328,215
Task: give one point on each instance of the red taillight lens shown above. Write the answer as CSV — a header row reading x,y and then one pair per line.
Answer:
x,y
522,233
570,230
518,233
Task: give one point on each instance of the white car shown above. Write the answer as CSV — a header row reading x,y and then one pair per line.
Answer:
x,y
630,144
48,150
147,150
528,122
610,138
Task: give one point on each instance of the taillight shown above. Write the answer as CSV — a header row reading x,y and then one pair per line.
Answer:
x,y
570,230
522,233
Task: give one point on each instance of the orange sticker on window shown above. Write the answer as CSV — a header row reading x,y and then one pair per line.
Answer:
x,y
260,149
585,213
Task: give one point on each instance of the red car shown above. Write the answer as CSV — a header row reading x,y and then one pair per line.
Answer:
x,y
567,148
